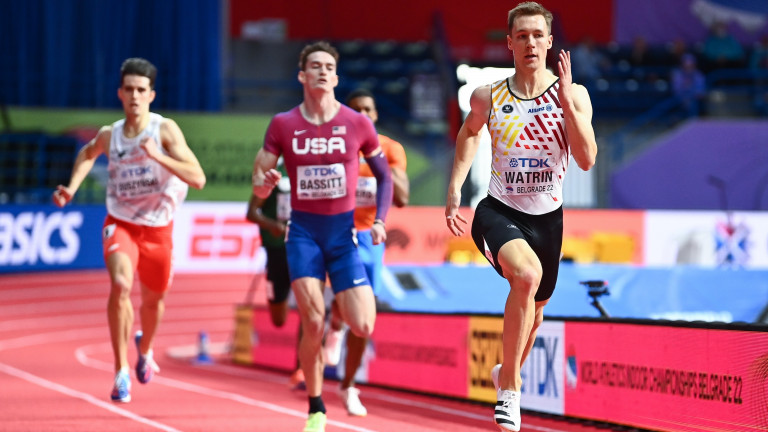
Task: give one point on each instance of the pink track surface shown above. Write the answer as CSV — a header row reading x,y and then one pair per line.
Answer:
x,y
56,369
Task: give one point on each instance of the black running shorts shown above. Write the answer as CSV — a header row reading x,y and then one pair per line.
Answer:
x,y
277,273
495,224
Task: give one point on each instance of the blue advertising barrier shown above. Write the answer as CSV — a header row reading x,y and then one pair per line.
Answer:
x,y
45,237
687,293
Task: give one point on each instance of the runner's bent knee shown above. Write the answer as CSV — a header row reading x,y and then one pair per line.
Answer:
x,y
362,329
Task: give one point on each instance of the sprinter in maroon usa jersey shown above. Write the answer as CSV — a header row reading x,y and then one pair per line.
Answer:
x,y
320,141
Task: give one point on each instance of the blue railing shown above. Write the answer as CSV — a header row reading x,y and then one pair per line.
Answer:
x,y
32,165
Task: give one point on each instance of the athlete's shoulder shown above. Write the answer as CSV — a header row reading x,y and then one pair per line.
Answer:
x,y
291,115
484,91
118,124
165,124
480,99
348,113
394,151
362,126
388,144
104,134
153,116
283,122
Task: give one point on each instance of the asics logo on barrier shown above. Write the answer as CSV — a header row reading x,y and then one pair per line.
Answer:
x,y
33,238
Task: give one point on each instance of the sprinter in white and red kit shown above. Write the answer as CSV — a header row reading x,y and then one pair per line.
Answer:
x,y
150,169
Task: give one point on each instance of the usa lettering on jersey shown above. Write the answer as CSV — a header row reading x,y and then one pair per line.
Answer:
x,y
318,145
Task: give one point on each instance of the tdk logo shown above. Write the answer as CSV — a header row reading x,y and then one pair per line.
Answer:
x,y
539,375
507,108
319,145
540,109
320,171
529,163
135,172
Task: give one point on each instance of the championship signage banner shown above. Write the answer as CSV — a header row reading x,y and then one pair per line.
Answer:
x,y
215,237
667,378
34,238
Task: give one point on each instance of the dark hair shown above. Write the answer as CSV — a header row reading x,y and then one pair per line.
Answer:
x,y
315,47
529,9
361,92
141,67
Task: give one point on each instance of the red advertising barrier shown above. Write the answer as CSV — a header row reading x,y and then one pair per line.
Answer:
x,y
667,378
269,346
420,235
426,353
421,352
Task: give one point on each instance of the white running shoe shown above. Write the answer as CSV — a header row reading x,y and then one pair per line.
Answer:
x,y
495,376
351,398
121,391
332,347
507,413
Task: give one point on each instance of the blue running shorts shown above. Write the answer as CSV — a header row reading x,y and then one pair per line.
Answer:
x,y
318,244
373,258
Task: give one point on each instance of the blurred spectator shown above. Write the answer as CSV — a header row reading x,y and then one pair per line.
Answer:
x,y
758,63
646,60
689,86
641,54
588,63
721,49
675,52
759,58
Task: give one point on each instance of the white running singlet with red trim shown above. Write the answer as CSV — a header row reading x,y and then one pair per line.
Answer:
x,y
529,148
139,189
322,160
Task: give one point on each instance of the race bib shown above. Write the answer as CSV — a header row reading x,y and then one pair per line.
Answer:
x,y
316,182
528,182
365,195
135,180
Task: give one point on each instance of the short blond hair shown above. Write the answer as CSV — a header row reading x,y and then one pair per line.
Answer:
x,y
529,9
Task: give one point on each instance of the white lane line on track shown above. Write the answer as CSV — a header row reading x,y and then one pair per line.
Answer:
x,y
47,338
82,356
10,370
64,321
178,353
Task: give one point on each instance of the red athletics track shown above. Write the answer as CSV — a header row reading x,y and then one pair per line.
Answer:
x,y
56,369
